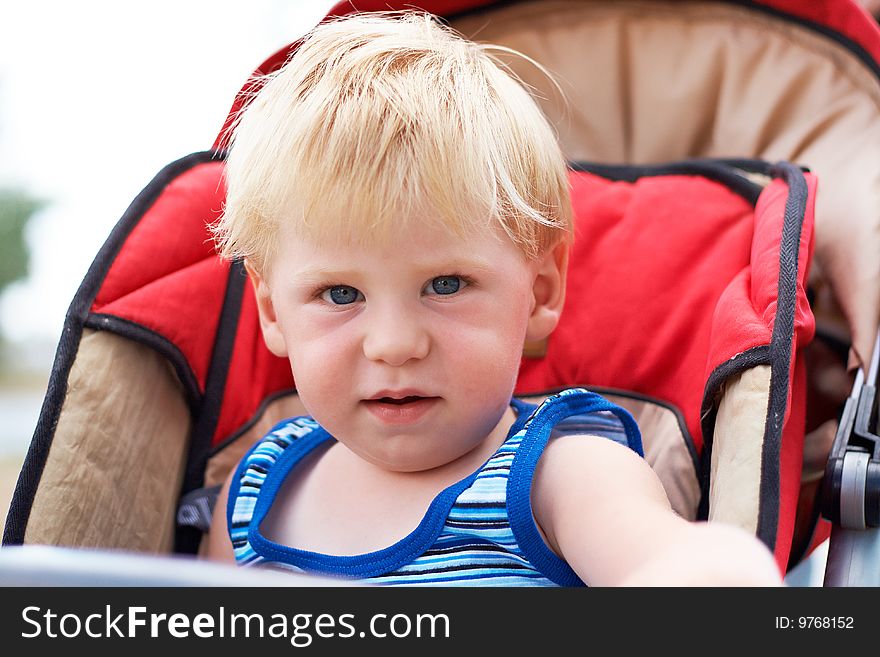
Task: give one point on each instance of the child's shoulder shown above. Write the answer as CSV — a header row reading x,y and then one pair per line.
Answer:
x,y
589,438
577,411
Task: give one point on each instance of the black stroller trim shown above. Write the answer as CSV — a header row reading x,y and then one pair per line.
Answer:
x,y
777,354
159,343
721,171
780,344
68,345
247,426
188,538
835,36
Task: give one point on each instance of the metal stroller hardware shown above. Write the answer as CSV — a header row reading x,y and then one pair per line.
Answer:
x,y
851,496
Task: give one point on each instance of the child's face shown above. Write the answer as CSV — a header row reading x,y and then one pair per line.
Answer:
x,y
431,320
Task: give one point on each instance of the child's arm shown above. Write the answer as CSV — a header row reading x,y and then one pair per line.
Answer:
x,y
603,510
219,545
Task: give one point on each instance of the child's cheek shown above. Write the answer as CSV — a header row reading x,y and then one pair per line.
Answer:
x,y
320,344
488,346
314,328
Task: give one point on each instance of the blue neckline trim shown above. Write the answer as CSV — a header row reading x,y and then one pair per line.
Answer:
x,y
573,401
368,564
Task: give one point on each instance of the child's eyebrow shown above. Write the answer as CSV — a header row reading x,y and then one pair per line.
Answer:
x,y
449,266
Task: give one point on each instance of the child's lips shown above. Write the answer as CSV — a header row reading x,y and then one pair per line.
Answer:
x,y
399,401
400,410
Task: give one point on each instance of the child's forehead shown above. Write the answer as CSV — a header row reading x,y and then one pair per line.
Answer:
x,y
394,230
422,234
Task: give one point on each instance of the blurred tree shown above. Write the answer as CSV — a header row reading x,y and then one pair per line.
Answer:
x,y
16,208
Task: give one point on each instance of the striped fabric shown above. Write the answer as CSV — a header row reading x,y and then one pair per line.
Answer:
x,y
478,531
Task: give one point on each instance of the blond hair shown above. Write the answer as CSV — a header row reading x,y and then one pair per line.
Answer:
x,y
379,119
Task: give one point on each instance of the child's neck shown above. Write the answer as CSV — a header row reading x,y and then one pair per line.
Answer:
x,y
451,471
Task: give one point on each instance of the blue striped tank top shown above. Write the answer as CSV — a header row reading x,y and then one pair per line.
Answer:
x,y
476,532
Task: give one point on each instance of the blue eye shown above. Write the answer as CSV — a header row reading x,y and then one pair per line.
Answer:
x,y
341,295
445,285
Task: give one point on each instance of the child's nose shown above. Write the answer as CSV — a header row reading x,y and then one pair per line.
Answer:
x,y
395,337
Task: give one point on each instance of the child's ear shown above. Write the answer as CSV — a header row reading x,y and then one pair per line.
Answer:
x,y
548,292
272,335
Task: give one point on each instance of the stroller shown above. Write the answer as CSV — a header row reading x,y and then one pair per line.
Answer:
x,y
731,321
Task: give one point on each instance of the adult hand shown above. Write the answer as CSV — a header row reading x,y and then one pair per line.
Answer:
x,y
872,6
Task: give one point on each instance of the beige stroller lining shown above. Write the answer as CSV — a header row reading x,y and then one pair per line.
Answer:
x,y
736,462
114,471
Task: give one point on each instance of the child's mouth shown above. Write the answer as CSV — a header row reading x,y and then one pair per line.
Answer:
x,y
400,410
403,400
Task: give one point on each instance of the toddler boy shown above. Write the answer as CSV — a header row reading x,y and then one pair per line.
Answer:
x,y
402,207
